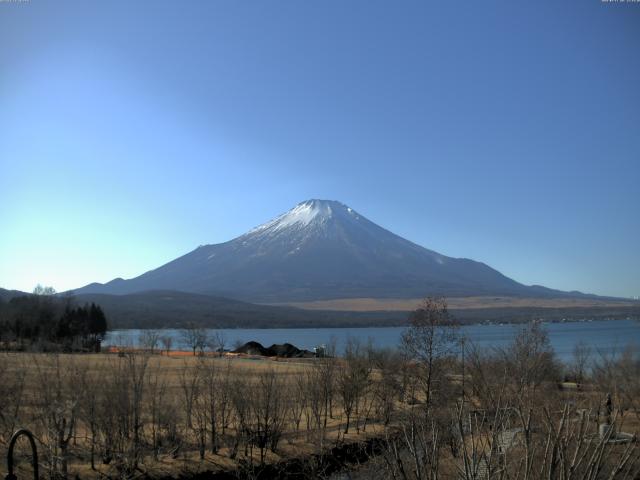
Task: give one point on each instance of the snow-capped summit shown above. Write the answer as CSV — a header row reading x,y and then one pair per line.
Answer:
x,y
311,217
320,249
303,214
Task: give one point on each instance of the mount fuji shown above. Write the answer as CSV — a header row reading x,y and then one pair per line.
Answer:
x,y
321,250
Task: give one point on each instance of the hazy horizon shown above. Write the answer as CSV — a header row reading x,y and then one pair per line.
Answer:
x,y
505,133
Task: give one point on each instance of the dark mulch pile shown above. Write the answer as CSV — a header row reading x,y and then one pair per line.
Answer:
x,y
285,350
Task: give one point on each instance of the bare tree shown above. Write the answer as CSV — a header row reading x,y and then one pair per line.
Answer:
x,y
240,399
268,412
298,399
167,342
195,338
353,378
12,388
429,339
156,403
57,407
89,405
529,361
217,342
415,451
189,384
327,375
121,407
215,399
44,291
136,369
149,340
316,394
618,373
488,374
387,389
200,406
581,359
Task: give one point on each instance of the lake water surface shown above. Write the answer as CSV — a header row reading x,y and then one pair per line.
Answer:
x,y
602,335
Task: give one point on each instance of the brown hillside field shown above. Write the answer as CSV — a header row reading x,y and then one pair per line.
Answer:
x,y
454,303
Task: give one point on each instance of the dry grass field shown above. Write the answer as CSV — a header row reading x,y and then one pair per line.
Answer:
x,y
456,303
504,411
259,407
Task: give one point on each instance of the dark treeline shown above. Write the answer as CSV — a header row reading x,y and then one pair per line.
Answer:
x,y
44,321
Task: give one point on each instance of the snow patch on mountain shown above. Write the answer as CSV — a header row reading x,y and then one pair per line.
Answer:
x,y
302,215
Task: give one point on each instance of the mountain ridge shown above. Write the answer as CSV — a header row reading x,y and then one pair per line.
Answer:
x,y
321,250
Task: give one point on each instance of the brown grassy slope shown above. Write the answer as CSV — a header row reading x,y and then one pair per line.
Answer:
x,y
457,303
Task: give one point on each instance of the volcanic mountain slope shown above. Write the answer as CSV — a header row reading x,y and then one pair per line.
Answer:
x,y
319,250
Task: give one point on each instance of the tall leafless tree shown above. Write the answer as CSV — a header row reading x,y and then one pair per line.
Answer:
x,y
430,338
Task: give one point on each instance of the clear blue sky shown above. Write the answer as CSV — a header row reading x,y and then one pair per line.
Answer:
x,y
507,132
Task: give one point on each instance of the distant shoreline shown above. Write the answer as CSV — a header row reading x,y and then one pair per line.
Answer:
x,y
319,327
